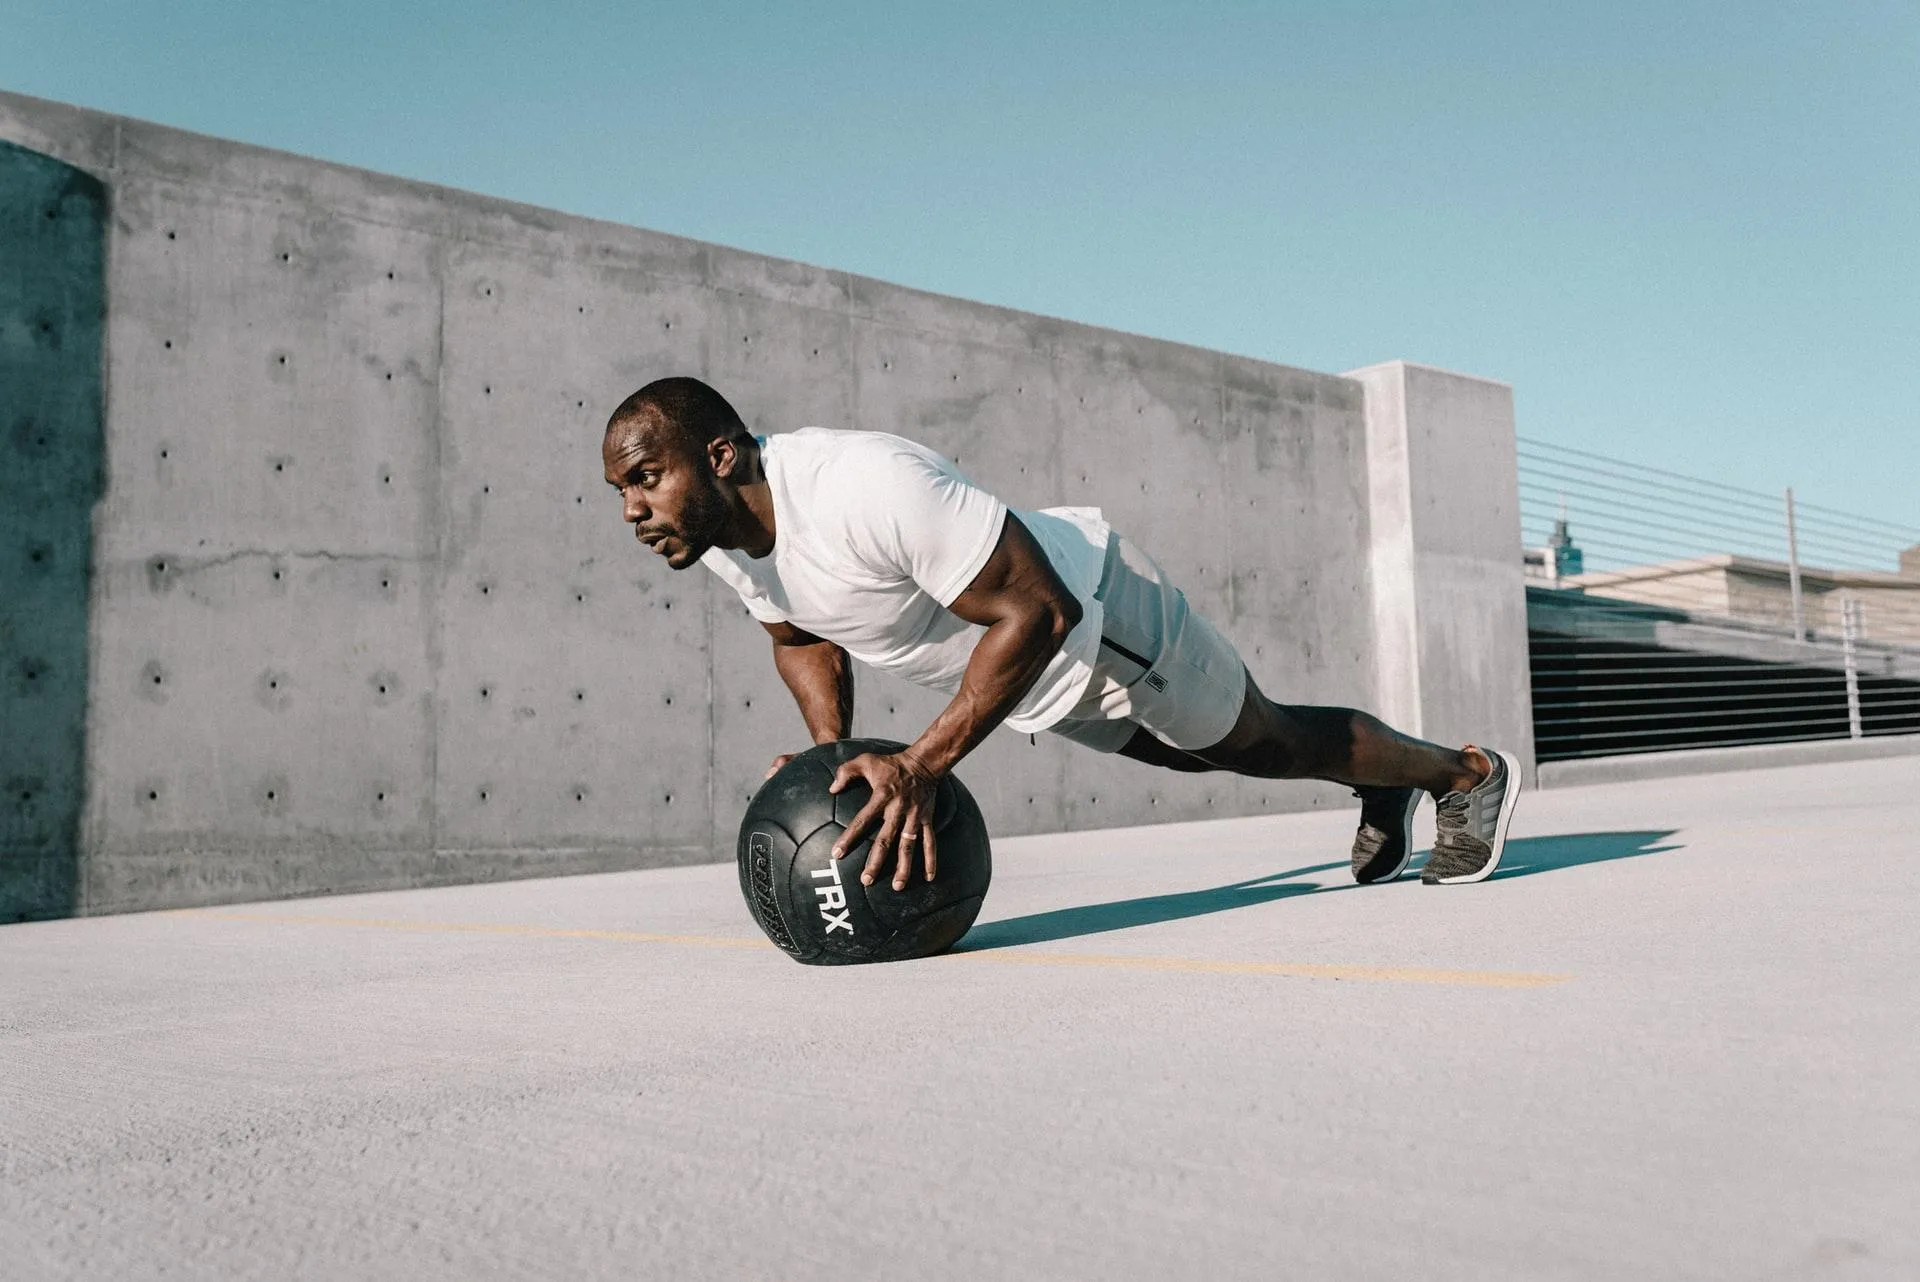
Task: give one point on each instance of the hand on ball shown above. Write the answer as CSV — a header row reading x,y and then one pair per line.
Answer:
x,y
902,806
778,761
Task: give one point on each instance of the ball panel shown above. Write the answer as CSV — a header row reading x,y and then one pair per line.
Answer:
x,y
827,907
765,864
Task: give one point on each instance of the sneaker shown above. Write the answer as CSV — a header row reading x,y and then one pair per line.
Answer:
x,y
1473,826
1385,841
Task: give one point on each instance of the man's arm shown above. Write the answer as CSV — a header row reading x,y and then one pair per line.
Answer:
x,y
817,672
1027,612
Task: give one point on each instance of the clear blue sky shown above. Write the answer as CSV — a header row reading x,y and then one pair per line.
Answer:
x,y
1686,233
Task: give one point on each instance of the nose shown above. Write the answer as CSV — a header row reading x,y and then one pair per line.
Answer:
x,y
636,506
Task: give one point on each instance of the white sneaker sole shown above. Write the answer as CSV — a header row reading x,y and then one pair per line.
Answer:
x,y
1499,843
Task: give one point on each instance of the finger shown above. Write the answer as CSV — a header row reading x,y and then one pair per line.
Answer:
x,y
850,837
883,845
903,864
929,848
848,772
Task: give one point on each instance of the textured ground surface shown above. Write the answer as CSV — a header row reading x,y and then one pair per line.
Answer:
x,y
1677,1039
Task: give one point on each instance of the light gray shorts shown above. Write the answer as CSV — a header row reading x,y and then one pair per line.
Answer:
x,y
1161,665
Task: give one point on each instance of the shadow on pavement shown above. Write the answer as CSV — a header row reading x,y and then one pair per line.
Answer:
x,y
1524,856
1095,919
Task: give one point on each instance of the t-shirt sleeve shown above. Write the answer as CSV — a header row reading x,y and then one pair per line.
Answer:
x,y
912,516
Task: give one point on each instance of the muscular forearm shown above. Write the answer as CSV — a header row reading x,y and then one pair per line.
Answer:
x,y
822,683
1006,662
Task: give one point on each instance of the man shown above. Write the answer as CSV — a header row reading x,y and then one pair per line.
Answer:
x,y
866,545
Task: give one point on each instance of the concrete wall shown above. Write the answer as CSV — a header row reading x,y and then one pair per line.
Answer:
x,y
52,304
1449,604
363,613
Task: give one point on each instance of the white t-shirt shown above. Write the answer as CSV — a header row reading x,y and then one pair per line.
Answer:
x,y
874,536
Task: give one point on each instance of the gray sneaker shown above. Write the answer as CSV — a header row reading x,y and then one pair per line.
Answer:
x,y
1385,841
1473,826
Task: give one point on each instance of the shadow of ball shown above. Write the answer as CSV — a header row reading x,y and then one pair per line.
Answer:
x,y
814,907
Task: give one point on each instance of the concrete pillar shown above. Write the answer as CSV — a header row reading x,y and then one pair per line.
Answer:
x,y
1449,597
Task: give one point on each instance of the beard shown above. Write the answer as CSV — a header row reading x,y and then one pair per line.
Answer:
x,y
702,521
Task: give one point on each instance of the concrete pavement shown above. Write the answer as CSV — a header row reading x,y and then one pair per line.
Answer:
x,y
1675,1038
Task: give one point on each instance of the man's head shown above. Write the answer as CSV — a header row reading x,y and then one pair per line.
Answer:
x,y
678,454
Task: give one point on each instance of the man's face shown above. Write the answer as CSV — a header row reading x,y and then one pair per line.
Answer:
x,y
668,494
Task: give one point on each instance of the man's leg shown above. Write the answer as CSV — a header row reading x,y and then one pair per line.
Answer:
x,y
1298,741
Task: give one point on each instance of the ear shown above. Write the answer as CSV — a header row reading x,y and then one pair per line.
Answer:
x,y
726,459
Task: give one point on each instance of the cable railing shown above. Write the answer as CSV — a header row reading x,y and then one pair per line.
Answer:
x,y
1668,611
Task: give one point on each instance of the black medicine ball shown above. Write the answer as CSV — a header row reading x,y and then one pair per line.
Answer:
x,y
816,909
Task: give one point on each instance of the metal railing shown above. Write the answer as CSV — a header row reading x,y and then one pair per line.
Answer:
x,y
1668,611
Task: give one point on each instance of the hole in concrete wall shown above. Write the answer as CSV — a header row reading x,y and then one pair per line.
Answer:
x,y
37,553
579,696
583,311
579,498
389,376
380,796
746,338
386,478
1029,801
749,703
389,275
282,358
483,794
579,794
956,378
164,452
486,489
486,692
666,605
286,257
386,583
489,291
580,596
669,701
168,344
31,669
171,236
488,389
276,576
666,324
153,794
886,364
669,799
486,589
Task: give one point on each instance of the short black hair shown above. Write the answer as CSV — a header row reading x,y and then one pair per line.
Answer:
x,y
687,408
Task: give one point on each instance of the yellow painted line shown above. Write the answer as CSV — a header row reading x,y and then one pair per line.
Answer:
x,y
1295,970
1002,956
479,928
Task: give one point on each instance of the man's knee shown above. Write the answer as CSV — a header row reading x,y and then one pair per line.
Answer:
x,y
1284,741
1145,747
